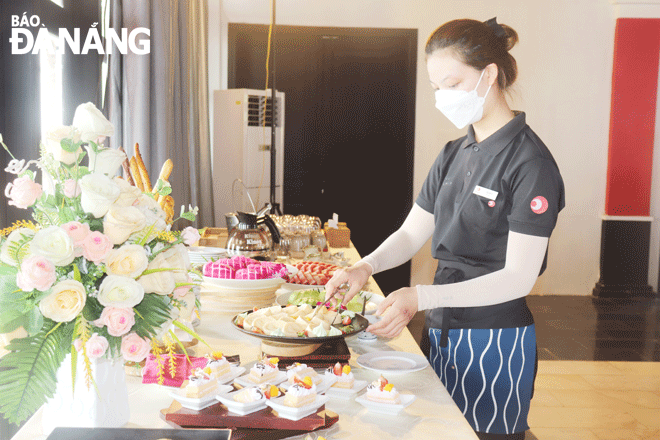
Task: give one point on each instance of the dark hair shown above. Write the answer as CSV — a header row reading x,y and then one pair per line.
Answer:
x,y
479,44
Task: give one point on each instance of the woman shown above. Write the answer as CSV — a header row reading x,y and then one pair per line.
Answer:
x,y
490,203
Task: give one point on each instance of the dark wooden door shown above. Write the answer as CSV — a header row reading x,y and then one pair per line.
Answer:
x,y
349,123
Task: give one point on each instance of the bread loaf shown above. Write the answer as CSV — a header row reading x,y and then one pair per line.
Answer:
x,y
135,173
144,174
165,172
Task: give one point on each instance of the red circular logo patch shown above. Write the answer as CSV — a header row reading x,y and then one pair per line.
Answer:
x,y
539,205
491,203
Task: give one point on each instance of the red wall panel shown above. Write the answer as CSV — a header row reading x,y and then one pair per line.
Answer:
x,y
632,116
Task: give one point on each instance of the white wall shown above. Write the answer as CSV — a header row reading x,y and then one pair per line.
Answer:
x,y
565,65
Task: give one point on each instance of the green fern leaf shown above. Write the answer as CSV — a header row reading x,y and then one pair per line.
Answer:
x,y
28,372
155,309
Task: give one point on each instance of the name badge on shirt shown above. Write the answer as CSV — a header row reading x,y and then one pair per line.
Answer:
x,y
485,192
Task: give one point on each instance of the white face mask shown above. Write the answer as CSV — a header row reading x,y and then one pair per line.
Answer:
x,y
460,107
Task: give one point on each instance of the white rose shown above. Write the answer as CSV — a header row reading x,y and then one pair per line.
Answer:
x,y
120,292
129,193
106,161
154,217
98,193
121,221
52,143
177,257
161,283
129,260
65,301
12,240
54,244
91,123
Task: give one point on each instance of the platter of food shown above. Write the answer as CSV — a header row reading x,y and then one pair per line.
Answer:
x,y
243,273
312,273
299,324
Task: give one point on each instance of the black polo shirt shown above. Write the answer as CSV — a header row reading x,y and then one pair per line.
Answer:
x,y
479,191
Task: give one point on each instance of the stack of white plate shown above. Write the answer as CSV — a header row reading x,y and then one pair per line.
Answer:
x,y
202,254
234,296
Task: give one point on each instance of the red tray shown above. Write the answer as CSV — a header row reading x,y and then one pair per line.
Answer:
x,y
263,424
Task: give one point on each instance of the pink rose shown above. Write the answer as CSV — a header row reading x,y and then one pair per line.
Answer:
x,y
96,247
36,273
71,188
181,291
119,321
190,235
23,192
78,232
77,344
134,348
96,346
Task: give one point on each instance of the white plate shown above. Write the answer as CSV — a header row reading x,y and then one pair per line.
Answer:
x,y
288,412
293,286
322,387
347,393
243,380
392,362
206,250
386,408
227,283
234,372
240,408
198,404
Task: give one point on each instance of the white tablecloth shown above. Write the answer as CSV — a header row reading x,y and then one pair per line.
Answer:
x,y
432,415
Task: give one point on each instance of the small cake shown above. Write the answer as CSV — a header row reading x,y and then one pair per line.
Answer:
x,y
345,378
250,394
382,391
298,371
264,371
217,365
301,393
200,384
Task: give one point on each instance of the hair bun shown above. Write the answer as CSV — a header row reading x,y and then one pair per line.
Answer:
x,y
511,36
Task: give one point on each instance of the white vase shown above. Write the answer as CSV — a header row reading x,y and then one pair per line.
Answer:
x,y
86,408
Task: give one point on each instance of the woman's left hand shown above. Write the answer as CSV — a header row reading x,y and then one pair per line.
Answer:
x,y
396,311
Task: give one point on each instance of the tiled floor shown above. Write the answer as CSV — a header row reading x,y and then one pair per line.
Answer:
x,y
599,368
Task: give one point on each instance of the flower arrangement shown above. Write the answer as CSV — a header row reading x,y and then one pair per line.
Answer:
x,y
98,273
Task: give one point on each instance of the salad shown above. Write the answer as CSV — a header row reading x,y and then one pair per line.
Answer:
x,y
315,297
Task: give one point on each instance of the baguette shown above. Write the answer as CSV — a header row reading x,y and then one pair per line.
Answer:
x,y
127,168
135,173
165,172
144,174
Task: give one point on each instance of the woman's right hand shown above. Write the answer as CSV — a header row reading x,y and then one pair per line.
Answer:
x,y
355,276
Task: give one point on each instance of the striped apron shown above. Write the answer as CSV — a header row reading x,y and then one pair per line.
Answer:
x,y
489,373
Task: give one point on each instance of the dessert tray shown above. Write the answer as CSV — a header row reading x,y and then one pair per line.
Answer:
x,y
290,413
263,423
321,388
386,408
198,403
246,382
347,393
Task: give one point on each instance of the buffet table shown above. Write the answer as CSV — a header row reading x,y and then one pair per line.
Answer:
x,y
432,415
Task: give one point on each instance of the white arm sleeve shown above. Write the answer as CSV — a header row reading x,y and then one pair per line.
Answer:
x,y
524,257
403,244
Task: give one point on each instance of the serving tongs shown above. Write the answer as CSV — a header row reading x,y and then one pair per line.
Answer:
x,y
342,288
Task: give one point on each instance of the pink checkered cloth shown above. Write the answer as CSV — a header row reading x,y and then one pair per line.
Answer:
x,y
182,369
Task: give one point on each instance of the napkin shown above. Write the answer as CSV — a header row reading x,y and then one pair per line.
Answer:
x,y
182,369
